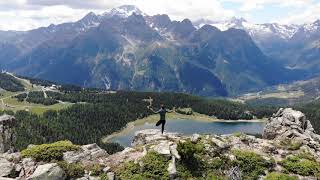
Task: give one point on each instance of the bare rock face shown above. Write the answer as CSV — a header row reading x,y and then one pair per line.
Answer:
x,y
7,133
88,153
290,124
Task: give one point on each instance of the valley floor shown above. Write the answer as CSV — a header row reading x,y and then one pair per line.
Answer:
x,y
9,102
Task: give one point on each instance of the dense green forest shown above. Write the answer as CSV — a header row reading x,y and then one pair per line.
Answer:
x,y
36,97
9,83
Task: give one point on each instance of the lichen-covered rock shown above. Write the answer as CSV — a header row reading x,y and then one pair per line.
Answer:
x,y
290,124
48,171
7,133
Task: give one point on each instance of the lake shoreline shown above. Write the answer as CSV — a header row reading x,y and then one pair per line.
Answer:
x,y
171,116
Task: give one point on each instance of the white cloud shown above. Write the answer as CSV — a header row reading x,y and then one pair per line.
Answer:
x,y
308,15
248,5
28,14
180,9
30,19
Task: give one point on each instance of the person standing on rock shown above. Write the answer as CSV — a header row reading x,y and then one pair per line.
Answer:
x,y
162,111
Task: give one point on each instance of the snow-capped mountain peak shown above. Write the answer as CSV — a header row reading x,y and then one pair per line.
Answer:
x,y
126,11
266,30
312,27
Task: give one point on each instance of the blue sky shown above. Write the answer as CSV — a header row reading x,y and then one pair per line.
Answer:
x,y
29,14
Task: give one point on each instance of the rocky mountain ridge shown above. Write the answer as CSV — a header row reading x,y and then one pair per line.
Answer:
x,y
289,148
128,50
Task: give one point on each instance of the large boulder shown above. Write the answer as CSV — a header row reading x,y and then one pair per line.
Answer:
x,y
290,124
48,171
7,133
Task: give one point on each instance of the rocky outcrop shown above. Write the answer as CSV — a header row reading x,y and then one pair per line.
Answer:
x,y
280,135
7,133
90,153
290,124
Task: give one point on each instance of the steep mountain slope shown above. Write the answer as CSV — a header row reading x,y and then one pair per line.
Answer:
x,y
126,49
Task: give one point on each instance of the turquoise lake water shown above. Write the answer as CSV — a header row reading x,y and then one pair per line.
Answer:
x,y
189,127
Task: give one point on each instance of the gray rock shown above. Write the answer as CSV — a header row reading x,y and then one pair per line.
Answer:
x,y
6,167
221,144
90,152
13,157
48,171
148,136
174,151
162,148
106,169
172,170
29,166
7,133
195,138
290,124
111,176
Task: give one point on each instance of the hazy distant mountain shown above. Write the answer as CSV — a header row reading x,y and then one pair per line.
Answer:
x,y
126,49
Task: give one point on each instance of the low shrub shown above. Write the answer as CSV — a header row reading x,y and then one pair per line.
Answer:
x,y
49,152
280,176
95,170
112,147
72,170
291,144
298,165
251,164
188,149
190,157
154,167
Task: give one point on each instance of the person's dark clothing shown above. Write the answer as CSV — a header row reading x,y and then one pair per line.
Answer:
x,y
162,120
162,113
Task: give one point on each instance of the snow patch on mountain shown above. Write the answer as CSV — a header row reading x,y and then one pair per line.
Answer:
x,y
283,31
125,11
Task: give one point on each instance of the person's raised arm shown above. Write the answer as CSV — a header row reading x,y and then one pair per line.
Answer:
x,y
151,109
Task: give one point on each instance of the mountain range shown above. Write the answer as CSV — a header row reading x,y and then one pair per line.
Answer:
x,y
127,49
296,46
